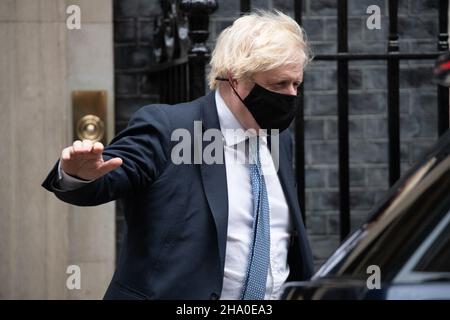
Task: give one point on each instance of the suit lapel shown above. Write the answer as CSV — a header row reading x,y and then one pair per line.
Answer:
x,y
215,179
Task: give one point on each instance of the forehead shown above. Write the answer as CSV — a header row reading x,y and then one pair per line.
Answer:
x,y
292,72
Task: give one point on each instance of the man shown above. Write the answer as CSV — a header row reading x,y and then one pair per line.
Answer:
x,y
227,229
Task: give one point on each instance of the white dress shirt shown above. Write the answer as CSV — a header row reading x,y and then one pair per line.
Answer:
x,y
240,210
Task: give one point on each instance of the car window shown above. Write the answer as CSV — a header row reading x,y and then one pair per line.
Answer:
x,y
437,257
431,261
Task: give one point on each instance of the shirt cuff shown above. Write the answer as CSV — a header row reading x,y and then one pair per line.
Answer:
x,y
66,182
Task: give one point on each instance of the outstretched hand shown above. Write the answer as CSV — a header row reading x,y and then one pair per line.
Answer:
x,y
84,160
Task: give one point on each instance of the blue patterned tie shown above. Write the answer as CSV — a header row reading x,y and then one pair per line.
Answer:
x,y
259,257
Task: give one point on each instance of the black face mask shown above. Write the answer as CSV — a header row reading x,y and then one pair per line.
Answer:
x,y
271,110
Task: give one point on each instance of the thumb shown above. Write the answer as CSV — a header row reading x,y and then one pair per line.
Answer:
x,y
110,165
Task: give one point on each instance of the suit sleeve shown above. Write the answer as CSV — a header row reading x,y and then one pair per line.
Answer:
x,y
144,149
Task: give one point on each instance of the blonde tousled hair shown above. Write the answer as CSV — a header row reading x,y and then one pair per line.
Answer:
x,y
255,42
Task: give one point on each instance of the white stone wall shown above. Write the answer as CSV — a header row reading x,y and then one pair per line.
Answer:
x,y
41,63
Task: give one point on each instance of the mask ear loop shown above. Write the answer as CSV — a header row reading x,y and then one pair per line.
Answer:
x,y
230,83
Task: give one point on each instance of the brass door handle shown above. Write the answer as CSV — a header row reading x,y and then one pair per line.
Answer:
x,y
90,127
89,115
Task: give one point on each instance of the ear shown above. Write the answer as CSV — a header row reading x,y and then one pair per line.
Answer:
x,y
231,80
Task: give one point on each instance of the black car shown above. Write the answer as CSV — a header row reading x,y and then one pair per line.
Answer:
x,y
403,250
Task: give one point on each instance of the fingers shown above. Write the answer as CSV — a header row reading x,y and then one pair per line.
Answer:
x,y
77,146
97,148
86,146
67,153
80,147
110,165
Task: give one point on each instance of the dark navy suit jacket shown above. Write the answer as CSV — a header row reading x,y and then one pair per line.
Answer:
x,y
176,215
